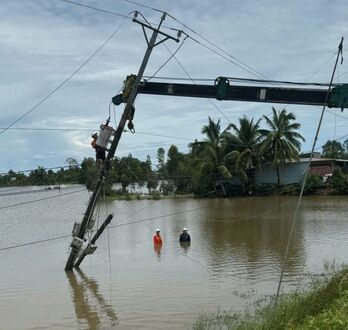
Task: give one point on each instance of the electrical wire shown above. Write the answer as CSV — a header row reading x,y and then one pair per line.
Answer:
x,y
41,199
44,168
180,78
240,63
67,79
91,130
182,67
160,135
145,6
247,67
34,242
306,174
188,75
247,80
234,60
97,9
23,192
322,66
342,74
105,11
170,57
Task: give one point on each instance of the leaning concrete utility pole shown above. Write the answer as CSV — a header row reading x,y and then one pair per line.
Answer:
x,y
127,115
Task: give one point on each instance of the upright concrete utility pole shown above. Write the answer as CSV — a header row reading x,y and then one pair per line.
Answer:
x,y
127,115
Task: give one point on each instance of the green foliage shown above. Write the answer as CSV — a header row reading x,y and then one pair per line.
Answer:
x,y
211,159
333,149
313,183
281,143
324,306
290,189
235,152
265,189
340,181
155,194
242,146
161,168
167,188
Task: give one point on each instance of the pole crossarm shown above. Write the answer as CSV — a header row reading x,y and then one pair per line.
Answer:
x,y
144,25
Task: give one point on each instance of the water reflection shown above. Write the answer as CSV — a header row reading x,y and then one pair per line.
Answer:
x,y
91,309
237,246
247,231
185,246
157,248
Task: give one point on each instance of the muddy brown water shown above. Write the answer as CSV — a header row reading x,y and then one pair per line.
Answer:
x,y
234,259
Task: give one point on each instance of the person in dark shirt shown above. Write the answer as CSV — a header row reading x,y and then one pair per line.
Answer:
x,y
184,237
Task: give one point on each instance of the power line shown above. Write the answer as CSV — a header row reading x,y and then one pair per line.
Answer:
x,y
67,79
145,6
40,199
339,53
185,71
44,168
167,136
32,243
105,11
130,223
246,80
188,75
249,68
170,57
242,65
97,9
246,66
23,192
181,78
92,130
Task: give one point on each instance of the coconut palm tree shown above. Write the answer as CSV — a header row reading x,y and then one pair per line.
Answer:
x,y
281,143
243,143
211,159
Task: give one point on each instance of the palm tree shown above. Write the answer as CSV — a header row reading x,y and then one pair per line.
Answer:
x,y
244,143
211,159
281,143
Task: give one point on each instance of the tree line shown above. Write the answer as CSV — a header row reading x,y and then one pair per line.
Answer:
x,y
236,151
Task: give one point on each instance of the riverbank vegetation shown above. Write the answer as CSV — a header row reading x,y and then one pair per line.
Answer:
x,y
224,163
324,306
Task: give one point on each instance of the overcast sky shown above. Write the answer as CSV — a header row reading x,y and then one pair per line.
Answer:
x,y
43,41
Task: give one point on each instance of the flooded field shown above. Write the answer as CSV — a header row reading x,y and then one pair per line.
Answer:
x,y
234,259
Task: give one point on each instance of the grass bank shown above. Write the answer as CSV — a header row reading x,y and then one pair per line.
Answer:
x,y
324,306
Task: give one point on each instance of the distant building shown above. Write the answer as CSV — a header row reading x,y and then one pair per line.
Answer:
x,y
291,172
315,155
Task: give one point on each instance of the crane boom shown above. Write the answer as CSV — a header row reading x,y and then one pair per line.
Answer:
x,y
222,90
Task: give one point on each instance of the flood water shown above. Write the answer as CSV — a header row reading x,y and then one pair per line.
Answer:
x,y
234,259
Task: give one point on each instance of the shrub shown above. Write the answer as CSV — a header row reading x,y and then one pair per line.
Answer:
x,y
340,181
313,183
155,194
290,189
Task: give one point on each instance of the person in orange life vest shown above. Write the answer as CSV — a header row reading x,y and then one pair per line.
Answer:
x,y
157,239
99,151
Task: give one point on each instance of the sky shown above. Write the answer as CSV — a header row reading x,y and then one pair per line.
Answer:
x,y
42,42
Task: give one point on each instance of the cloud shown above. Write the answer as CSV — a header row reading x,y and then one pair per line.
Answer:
x,y
43,42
